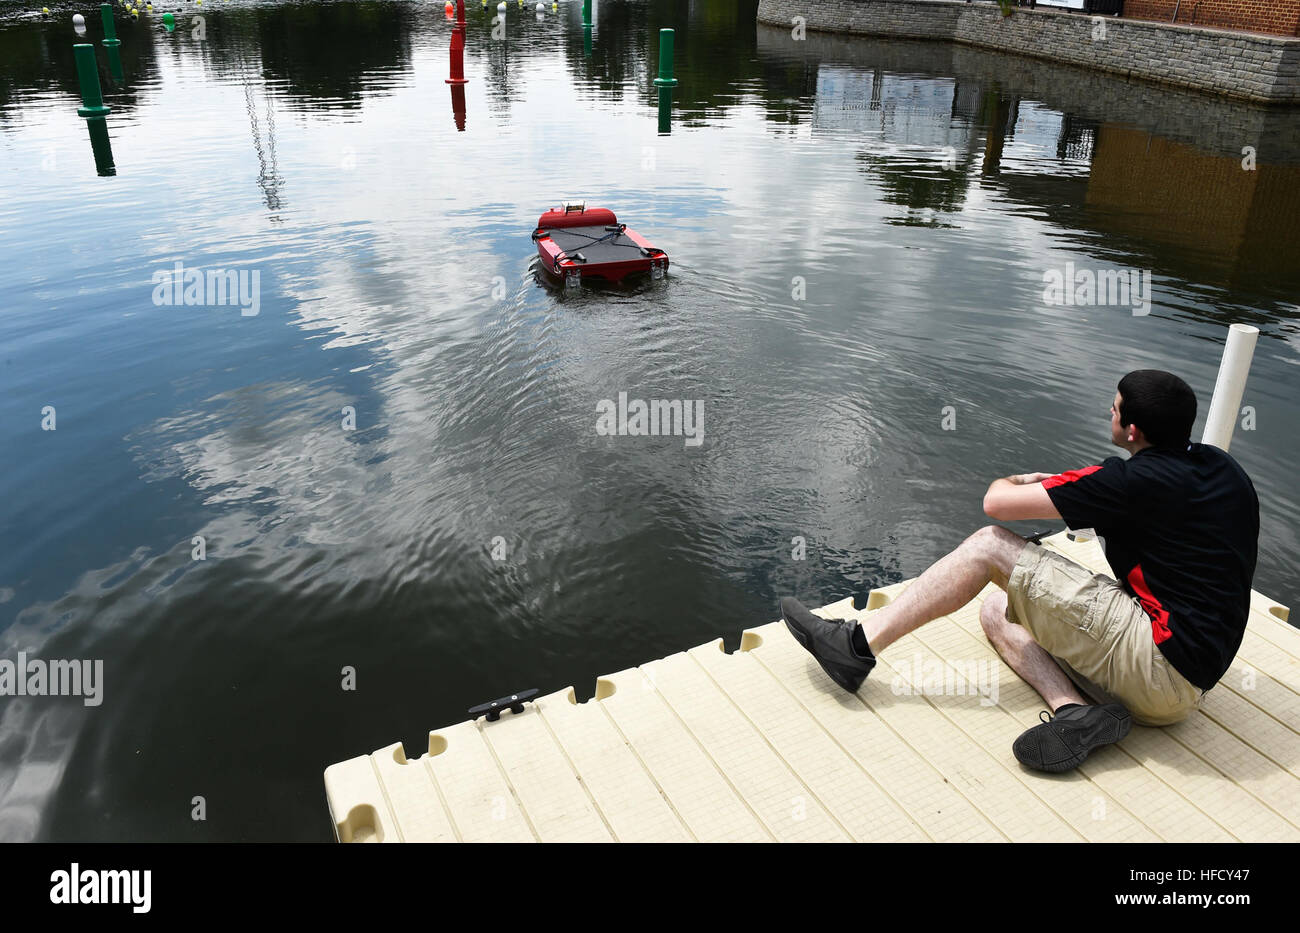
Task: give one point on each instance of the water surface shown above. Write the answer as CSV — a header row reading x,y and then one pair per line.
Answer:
x,y
859,231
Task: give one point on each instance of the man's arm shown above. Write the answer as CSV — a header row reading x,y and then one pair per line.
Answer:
x,y
1014,498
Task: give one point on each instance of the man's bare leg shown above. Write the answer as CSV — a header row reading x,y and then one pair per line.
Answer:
x,y
1027,657
989,555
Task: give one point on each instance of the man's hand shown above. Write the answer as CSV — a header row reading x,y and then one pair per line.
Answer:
x,y
1024,479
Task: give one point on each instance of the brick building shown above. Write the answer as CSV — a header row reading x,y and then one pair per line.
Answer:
x,y
1278,17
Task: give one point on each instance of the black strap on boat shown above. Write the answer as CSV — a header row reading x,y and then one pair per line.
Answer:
x,y
609,239
595,240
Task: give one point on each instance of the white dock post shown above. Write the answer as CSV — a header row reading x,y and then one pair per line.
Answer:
x,y
1230,385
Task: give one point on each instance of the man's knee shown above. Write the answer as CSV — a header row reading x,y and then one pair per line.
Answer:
x,y
1000,548
993,537
993,613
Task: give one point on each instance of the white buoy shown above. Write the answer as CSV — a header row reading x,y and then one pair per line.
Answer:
x,y
79,24
1230,385
501,8
541,8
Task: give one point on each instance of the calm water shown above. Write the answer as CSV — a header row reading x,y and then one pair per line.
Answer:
x,y
859,232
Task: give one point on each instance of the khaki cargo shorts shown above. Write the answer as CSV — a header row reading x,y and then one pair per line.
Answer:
x,y
1099,635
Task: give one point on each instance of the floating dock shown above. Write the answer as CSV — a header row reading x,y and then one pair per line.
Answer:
x,y
761,746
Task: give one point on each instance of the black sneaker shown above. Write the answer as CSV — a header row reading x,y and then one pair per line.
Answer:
x,y
1063,741
830,641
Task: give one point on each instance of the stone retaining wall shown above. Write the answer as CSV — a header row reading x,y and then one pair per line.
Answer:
x,y
1260,68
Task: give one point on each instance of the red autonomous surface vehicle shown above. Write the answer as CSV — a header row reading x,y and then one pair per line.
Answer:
x,y
578,243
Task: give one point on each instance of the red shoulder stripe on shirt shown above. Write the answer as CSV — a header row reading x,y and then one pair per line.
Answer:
x,y
1069,476
1158,613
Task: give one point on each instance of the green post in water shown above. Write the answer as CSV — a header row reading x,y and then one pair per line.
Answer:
x,y
665,110
100,146
586,40
110,29
586,12
88,76
665,78
115,63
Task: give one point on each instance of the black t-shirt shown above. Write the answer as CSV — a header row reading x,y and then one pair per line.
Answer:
x,y
1181,528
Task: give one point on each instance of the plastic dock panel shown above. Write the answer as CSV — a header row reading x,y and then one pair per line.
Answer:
x,y
760,745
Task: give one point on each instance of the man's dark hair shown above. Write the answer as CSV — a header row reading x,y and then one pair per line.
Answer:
x,y
1159,403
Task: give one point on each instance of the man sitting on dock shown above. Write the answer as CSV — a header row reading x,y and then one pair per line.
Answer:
x,y
1180,524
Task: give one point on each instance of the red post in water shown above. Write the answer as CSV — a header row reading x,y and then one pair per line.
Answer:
x,y
458,46
458,106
